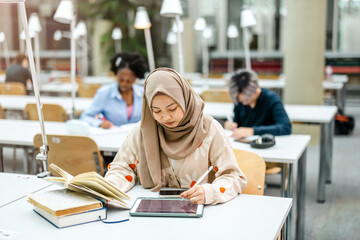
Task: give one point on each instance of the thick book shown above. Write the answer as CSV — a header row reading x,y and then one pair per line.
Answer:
x,y
62,202
92,184
72,219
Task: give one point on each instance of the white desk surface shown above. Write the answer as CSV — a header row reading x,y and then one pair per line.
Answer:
x,y
13,102
57,87
245,217
22,132
297,113
288,149
332,85
16,186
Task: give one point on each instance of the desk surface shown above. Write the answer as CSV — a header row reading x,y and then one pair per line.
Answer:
x,y
16,186
296,113
288,149
246,216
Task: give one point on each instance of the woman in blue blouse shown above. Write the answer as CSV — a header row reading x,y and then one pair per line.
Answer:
x,y
257,110
121,102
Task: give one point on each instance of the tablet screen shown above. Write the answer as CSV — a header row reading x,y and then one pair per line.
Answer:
x,y
166,206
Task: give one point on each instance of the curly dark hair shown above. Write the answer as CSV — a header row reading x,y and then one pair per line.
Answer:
x,y
131,60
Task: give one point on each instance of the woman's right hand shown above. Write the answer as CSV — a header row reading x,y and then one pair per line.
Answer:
x,y
230,125
106,124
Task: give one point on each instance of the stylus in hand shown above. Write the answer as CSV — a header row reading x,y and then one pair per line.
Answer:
x,y
202,177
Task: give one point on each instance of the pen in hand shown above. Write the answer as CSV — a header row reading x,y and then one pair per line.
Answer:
x,y
202,177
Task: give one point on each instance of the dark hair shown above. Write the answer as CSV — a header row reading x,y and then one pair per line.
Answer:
x,y
132,61
19,58
242,80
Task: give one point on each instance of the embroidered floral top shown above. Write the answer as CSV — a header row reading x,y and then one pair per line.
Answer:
x,y
222,184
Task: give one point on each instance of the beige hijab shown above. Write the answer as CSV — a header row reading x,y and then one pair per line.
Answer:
x,y
160,142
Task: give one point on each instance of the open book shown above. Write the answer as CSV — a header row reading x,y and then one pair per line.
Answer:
x,y
93,184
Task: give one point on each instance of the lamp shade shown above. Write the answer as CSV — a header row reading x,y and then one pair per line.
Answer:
x,y
175,27
22,34
171,38
57,35
116,34
207,33
80,29
34,23
11,1
2,37
200,24
142,20
65,12
232,31
247,18
171,8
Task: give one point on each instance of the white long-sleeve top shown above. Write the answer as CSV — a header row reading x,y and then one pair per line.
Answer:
x,y
222,184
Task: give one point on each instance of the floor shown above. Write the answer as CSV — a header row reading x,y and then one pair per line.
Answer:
x,y
339,216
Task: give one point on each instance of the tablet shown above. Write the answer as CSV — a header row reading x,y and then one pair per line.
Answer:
x,y
166,207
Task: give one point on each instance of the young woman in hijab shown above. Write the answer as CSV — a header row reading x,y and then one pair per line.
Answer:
x,y
121,102
257,110
174,144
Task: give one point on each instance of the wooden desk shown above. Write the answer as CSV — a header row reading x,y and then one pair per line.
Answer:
x,y
246,217
304,114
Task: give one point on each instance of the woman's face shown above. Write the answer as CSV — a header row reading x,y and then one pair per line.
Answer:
x,y
125,78
166,111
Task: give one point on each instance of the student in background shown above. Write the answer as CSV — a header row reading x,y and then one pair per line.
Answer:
x,y
19,72
121,102
174,144
257,110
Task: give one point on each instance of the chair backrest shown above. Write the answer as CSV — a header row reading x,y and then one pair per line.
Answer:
x,y
253,166
51,112
2,113
74,154
12,88
216,96
88,90
68,79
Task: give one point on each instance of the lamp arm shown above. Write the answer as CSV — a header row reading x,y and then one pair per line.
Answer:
x,y
180,48
44,149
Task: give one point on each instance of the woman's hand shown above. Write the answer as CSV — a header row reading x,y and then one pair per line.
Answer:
x,y
242,132
106,124
230,125
195,195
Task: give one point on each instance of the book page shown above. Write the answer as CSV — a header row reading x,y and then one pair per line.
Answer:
x,y
67,176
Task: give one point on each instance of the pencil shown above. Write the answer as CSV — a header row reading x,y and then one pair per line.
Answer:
x,y
203,176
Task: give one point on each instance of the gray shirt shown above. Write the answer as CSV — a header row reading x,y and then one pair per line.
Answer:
x,y
17,73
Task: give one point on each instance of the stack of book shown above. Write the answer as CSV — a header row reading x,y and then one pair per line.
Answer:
x,y
80,202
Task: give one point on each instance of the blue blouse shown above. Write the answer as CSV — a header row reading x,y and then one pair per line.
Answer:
x,y
109,102
268,115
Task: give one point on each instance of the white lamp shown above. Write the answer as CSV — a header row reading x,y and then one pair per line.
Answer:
x,y
81,33
171,38
200,24
116,35
206,35
34,26
65,13
232,34
5,49
172,8
44,148
247,20
142,21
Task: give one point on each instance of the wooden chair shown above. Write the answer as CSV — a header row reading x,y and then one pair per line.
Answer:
x,y
12,88
51,112
68,79
253,166
74,154
216,96
2,113
88,90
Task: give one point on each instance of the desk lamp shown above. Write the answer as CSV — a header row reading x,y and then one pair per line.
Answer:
x,y
81,33
5,49
206,35
116,35
34,26
171,39
65,13
247,20
232,34
200,25
172,8
42,156
142,21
